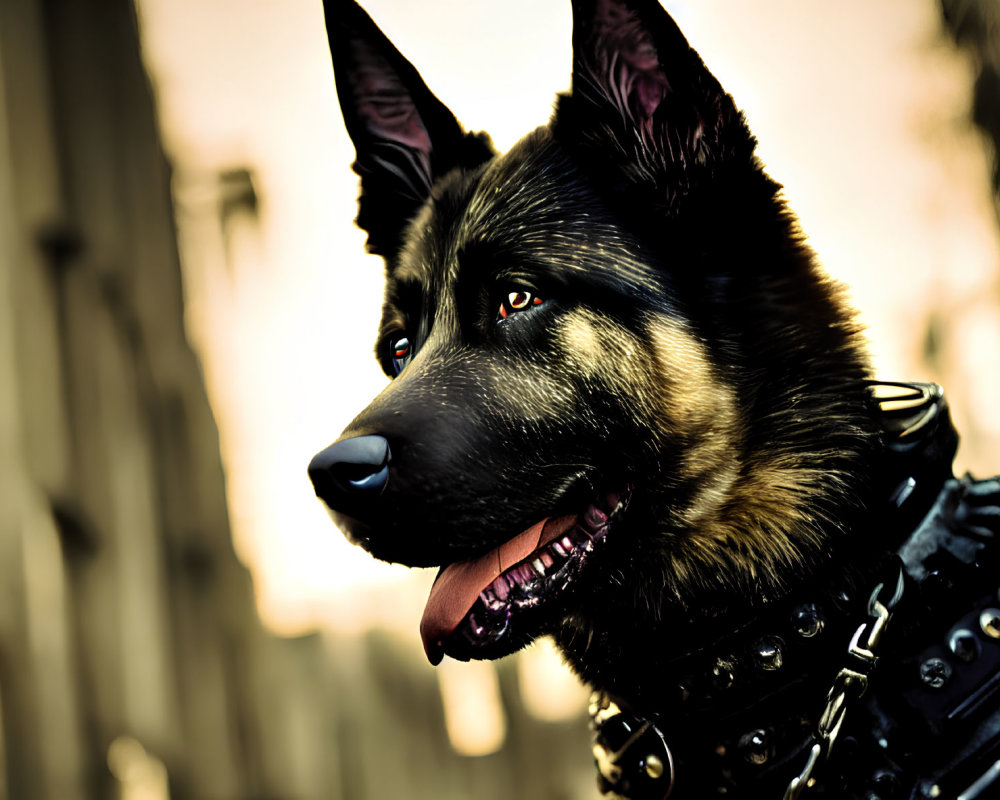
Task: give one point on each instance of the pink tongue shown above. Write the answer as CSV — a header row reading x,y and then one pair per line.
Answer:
x,y
459,584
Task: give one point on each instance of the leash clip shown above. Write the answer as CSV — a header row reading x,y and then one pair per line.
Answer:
x,y
850,683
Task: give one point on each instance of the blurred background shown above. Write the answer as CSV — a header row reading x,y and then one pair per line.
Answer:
x,y
187,315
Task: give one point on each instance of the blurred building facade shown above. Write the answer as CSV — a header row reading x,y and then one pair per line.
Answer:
x,y
127,636
975,26
132,661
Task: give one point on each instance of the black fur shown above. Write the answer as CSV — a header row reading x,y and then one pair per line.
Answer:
x,y
687,352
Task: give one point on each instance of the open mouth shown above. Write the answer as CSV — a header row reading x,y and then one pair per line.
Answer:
x,y
491,605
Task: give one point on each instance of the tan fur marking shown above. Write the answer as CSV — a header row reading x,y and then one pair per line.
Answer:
x,y
604,352
580,342
751,517
695,392
696,399
533,398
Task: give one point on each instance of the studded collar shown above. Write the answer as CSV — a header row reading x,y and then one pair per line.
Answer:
x,y
751,702
747,708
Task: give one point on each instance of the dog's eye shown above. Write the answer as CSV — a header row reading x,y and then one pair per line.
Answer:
x,y
518,300
400,353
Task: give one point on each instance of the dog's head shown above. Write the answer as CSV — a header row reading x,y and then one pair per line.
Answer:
x,y
619,385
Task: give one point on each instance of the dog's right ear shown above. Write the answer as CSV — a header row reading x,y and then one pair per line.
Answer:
x,y
405,138
645,117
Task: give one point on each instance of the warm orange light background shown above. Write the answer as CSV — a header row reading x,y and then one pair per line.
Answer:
x,y
861,109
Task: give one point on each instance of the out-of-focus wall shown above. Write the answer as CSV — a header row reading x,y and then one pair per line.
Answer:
x,y
124,615
962,343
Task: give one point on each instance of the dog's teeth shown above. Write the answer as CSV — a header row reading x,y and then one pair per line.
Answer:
x,y
539,566
500,588
547,559
567,543
559,549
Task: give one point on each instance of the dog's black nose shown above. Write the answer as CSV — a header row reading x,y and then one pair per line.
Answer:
x,y
349,467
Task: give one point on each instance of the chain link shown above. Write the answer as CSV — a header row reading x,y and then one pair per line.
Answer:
x,y
849,684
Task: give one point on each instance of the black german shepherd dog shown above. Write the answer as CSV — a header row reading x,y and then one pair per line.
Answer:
x,y
628,410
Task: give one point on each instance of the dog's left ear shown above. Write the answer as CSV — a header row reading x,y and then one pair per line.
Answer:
x,y
404,136
644,113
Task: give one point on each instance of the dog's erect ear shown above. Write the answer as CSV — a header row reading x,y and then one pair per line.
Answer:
x,y
643,110
404,136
